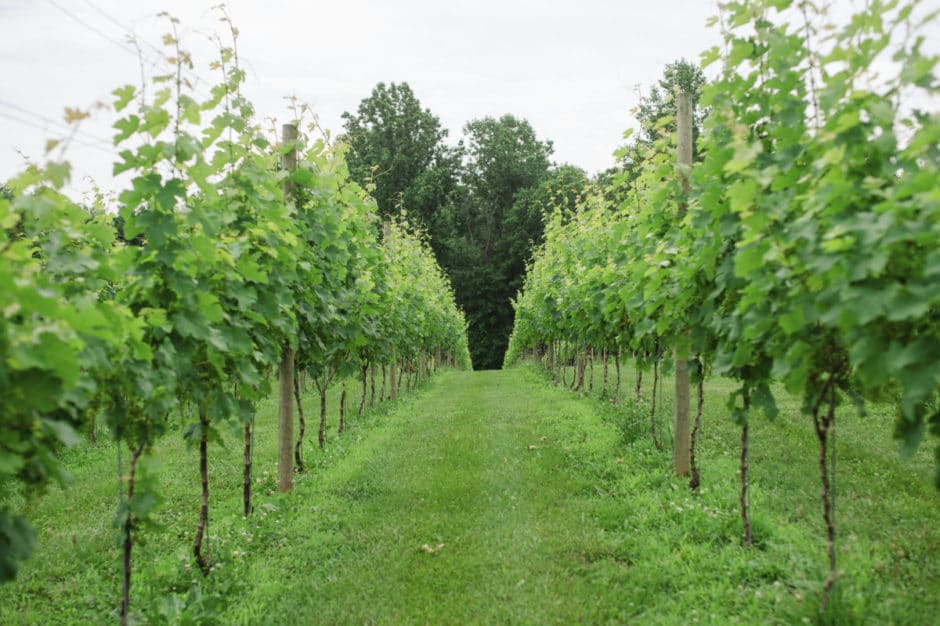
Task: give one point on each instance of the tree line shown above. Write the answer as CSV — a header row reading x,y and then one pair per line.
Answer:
x,y
480,199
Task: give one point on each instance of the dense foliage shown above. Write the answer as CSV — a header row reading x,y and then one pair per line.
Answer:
x,y
175,313
478,200
808,248
398,152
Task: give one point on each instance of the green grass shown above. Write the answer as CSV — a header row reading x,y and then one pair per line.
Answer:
x,y
495,497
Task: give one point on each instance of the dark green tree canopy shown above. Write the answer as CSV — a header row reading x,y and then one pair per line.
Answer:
x,y
503,157
564,188
494,227
398,147
479,201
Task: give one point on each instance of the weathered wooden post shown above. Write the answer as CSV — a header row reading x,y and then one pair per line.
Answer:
x,y
285,411
682,444
393,382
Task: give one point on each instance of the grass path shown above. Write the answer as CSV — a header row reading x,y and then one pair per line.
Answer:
x,y
498,498
462,512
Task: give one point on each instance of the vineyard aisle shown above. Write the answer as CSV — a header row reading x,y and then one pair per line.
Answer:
x,y
462,508
495,498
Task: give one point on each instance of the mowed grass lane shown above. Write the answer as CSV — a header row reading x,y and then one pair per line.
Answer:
x,y
460,510
497,498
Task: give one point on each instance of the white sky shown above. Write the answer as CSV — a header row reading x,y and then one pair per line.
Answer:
x,y
569,67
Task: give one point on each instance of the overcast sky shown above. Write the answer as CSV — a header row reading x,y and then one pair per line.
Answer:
x,y
571,67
